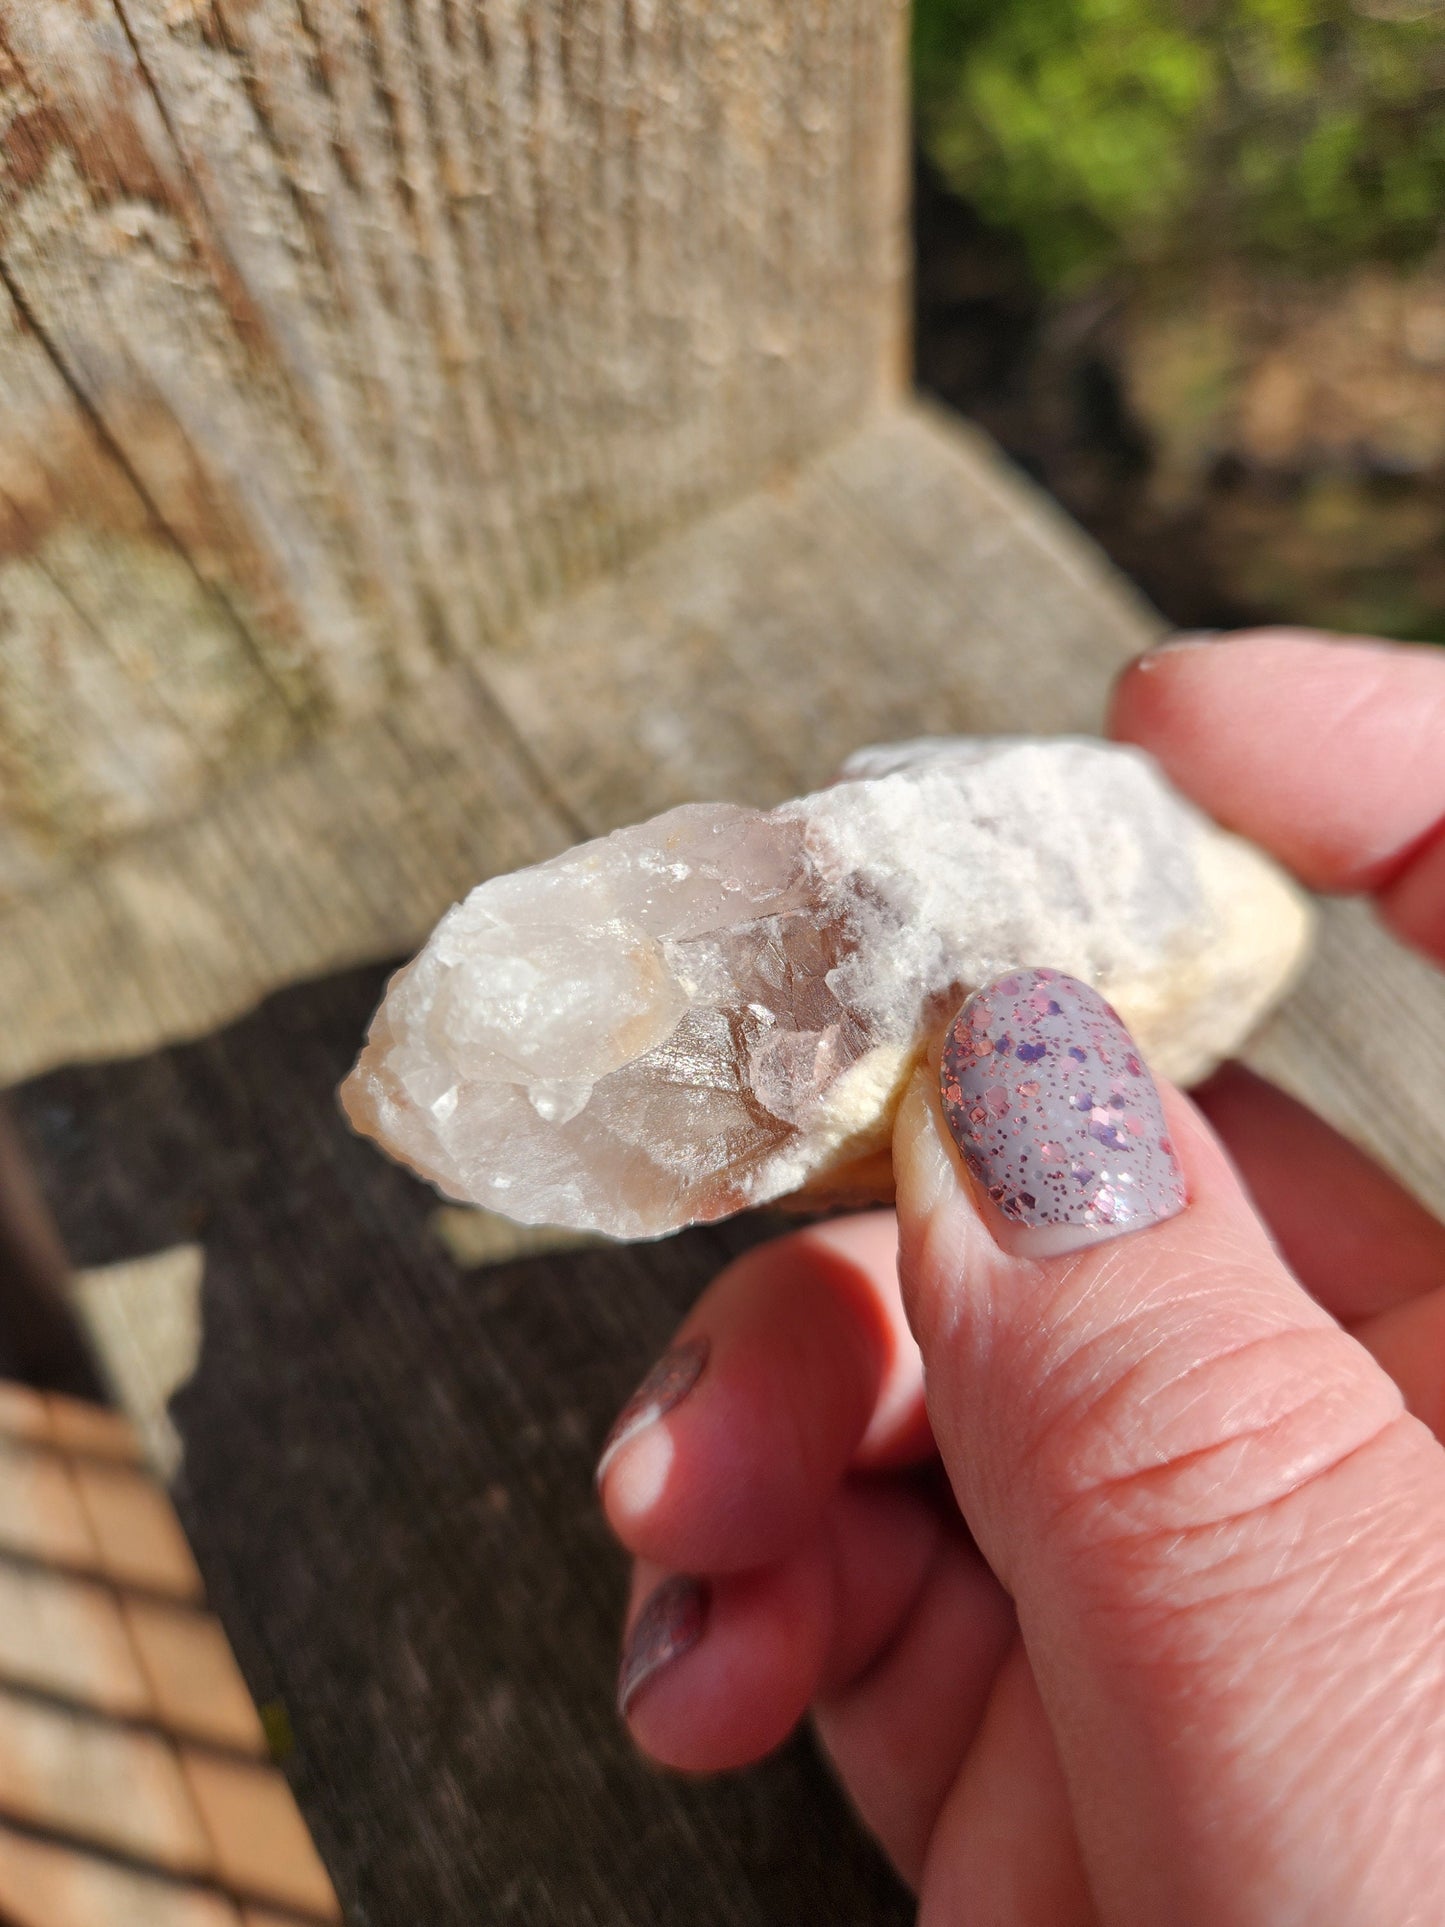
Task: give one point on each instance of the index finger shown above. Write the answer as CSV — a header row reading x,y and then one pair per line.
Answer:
x,y
1329,753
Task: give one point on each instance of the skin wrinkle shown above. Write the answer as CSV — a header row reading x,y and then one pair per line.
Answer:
x,y
1173,1666
1247,1576
1229,1243
1099,1361
1189,1697
1052,1326
1192,1275
1196,1378
1162,1550
1314,1572
1101,1402
1370,1753
1405,1758
1388,1593
1237,1427
1254,1714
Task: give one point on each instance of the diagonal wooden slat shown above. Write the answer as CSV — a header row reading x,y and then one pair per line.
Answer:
x,y
135,1782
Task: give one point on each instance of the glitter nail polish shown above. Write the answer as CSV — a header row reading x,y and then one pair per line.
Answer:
x,y
665,1386
671,1622
1058,1120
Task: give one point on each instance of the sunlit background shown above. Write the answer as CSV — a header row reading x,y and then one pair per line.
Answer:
x,y
1185,262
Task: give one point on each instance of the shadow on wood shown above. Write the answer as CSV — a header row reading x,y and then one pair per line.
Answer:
x,y
40,1340
388,1483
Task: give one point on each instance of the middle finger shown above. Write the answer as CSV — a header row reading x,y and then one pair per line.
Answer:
x,y
795,1365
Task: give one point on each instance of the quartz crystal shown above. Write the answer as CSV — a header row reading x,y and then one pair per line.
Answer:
x,y
721,1006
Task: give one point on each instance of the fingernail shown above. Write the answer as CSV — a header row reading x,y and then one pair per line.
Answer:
x,y
1186,639
666,1385
1058,1120
671,1622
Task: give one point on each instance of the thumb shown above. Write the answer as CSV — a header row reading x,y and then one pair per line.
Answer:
x,y
1224,1536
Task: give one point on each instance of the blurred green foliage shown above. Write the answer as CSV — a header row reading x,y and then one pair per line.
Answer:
x,y
1118,132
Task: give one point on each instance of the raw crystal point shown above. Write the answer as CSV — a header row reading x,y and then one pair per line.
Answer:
x,y
721,1006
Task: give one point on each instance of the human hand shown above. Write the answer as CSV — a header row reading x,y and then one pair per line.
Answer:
x,y
1143,1619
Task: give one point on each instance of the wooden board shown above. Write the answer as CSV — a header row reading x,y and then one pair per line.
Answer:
x,y
905,581
135,1788
338,339
388,1485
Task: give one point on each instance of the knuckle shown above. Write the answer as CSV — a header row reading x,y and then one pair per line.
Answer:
x,y
1182,1443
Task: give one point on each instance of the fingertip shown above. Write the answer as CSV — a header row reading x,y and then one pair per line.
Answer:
x,y
1324,749
809,1369
1012,1339
716,1671
720,1672
633,1479
665,1624
1145,689
1153,691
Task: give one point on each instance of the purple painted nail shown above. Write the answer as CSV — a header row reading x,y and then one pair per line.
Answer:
x,y
1058,1120
666,1385
671,1622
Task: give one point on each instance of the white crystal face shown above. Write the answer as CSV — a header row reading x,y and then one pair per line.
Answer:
x,y
721,1006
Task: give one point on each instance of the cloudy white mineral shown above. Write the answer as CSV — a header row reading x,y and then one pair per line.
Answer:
x,y
721,1006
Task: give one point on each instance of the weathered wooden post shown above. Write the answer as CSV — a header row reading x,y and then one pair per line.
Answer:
x,y
432,431
422,429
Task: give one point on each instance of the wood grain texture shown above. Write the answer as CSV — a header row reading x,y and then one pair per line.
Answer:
x,y
904,581
339,337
